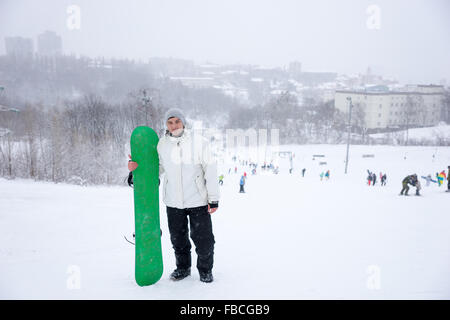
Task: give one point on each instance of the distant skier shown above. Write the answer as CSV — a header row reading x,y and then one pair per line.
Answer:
x,y
418,187
303,172
321,176
427,179
327,175
448,180
383,179
369,177
374,179
412,180
221,179
444,175
241,185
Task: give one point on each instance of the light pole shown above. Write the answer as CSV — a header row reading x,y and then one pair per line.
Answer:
x,y
350,106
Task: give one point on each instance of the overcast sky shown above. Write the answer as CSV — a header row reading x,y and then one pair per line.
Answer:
x,y
405,39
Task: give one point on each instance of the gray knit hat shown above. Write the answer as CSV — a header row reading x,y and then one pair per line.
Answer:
x,y
175,112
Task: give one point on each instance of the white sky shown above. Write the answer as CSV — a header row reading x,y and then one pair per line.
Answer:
x,y
412,43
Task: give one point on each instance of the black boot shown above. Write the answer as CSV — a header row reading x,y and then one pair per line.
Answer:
x,y
206,277
179,274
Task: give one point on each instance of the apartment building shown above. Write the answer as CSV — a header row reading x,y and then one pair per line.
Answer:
x,y
414,105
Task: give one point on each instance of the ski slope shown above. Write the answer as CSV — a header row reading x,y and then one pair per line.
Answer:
x,y
287,237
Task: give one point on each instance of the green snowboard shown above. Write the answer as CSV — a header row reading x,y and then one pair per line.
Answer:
x,y
149,265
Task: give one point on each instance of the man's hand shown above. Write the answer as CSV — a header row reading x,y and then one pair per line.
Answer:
x,y
131,164
211,210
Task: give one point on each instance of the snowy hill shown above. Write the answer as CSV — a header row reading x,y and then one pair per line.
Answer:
x,y
287,237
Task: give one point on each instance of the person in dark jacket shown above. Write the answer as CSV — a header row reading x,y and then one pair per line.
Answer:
x,y
383,179
448,179
412,180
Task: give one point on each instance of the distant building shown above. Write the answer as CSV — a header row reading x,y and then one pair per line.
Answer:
x,y
295,69
49,44
18,46
413,106
195,82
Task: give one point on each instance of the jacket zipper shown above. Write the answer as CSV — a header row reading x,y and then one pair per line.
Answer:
x,y
181,173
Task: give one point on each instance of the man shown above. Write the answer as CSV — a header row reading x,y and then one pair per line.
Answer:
x,y
448,179
190,192
412,180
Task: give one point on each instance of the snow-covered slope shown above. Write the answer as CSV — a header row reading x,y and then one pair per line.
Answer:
x,y
430,134
287,237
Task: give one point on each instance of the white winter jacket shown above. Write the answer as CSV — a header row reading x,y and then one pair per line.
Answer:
x,y
190,171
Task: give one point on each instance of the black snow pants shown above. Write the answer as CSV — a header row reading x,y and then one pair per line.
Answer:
x,y
200,231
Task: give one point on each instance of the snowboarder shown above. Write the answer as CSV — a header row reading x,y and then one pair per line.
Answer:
x,y
191,194
412,180
241,185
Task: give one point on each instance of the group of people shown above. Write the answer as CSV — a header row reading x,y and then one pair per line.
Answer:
x,y
414,181
372,178
326,175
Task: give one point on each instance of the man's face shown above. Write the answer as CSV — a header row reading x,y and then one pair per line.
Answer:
x,y
174,125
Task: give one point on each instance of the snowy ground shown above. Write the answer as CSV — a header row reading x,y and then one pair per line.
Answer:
x,y
286,238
